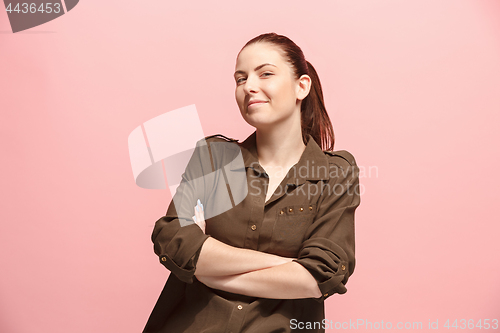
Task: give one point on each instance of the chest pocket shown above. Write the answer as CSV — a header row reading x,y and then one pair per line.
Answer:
x,y
290,227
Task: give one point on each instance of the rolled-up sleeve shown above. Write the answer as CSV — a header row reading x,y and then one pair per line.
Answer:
x,y
328,249
177,239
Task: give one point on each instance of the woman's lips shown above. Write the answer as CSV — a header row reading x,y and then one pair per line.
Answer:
x,y
255,104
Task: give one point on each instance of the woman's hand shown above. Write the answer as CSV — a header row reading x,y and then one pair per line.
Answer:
x,y
199,216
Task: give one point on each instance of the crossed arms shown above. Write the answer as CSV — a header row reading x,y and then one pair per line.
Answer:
x,y
253,273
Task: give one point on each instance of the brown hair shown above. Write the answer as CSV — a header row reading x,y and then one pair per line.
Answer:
x,y
314,118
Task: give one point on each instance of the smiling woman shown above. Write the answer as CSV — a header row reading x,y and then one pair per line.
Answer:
x,y
286,243
266,90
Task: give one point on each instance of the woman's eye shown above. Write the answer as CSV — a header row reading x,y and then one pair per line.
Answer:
x,y
242,78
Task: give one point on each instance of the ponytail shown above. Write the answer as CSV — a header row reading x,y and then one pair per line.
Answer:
x,y
314,117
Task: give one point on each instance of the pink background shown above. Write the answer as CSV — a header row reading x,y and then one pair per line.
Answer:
x,y
413,91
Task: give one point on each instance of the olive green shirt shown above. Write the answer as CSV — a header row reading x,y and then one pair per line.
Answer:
x,y
310,216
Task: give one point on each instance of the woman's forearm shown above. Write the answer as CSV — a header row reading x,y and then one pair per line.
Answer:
x,y
287,281
219,259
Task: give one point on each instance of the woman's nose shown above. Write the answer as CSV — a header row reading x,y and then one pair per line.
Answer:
x,y
250,85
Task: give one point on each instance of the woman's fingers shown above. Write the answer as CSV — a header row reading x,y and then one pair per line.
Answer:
x,y
199,216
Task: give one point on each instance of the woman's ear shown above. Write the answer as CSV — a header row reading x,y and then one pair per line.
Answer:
x,y
303,87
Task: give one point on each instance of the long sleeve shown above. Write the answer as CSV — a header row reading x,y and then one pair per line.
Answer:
x,y
328,249
177,239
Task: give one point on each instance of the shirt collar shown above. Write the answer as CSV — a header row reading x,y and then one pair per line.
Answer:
x,y
312,165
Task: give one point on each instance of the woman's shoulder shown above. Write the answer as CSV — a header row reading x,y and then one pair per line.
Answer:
x,y
219,148
340,157
220,138
220,143
343,167
216,140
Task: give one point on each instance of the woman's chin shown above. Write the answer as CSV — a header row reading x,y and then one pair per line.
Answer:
x,y
258,122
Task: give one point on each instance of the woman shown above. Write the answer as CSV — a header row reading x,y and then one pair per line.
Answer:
x,y
261,255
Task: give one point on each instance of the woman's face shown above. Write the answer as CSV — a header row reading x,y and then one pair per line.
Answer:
x,y
262,75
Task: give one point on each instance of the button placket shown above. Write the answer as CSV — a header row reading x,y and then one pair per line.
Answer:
x,y
235,322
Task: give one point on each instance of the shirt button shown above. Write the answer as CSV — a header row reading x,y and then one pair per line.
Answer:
x,y
240,307
163,259
310,207
282,212
342,267
325,294
254,227
290,210
301,209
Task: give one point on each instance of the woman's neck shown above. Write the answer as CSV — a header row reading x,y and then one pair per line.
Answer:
x,y
279,147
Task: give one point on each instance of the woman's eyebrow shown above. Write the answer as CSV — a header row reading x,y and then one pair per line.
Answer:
x,y
255,69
